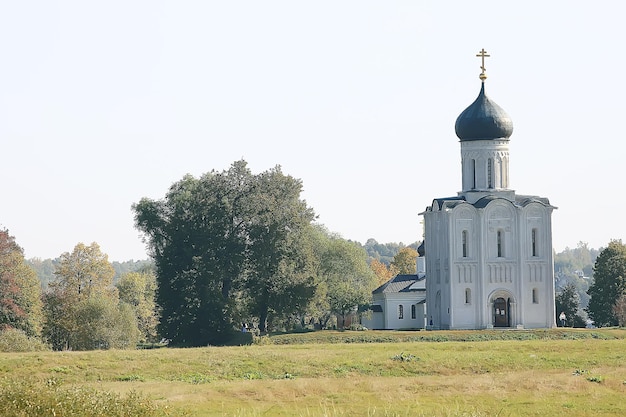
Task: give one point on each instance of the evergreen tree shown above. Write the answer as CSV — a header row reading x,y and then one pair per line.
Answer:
x,y
609,284
567,302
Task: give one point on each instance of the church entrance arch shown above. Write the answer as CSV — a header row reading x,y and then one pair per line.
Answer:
x,y
502,309
501,312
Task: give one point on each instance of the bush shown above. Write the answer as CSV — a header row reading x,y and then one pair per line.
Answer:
x,y
14,340
31,399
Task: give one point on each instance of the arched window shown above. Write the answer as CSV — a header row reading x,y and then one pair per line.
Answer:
x,y
490,173
468,296
413,311
500,243
464,243
473,174
533,242
400,312
535,296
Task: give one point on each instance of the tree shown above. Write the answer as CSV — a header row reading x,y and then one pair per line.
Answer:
x,y
280,279
20,291
197,238
138,290
82,307
102,323
619,310
349,280
84,272
404,261
221,239
383,274
567,302
609,283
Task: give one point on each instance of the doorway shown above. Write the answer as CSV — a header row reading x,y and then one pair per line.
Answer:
x,y
501,312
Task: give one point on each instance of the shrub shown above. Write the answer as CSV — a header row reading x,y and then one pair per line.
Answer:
x,y
14,340
405,357
31,399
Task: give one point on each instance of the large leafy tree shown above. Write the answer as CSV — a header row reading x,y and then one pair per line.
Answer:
x,y
220,239
280,277
197,237
20,291
609,284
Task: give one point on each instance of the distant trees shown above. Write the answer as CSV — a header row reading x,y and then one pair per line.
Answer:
x,y
20,291
382,272
390,259
384,252
609,284
404,262
575,266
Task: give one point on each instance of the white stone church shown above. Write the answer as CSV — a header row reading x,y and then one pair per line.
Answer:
x,y
488,250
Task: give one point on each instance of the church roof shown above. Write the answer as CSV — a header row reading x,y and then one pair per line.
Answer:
x,y
483,120
401,283
520,201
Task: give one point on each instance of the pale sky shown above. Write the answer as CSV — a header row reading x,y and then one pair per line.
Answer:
x,y
103,103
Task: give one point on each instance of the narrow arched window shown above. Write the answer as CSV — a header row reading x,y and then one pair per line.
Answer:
x,y
468,296
490,173
500,243
400,311
464,243
473,174
535,296
413,311
533,242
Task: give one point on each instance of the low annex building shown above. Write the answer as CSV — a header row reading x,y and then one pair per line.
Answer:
x,y
399,303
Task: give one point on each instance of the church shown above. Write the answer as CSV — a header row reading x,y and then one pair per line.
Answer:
x,y
488,250
486,260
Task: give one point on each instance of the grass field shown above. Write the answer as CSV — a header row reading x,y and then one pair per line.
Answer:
x,y
574,373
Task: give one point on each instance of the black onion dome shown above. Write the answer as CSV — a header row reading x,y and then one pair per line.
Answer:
x,y
483,119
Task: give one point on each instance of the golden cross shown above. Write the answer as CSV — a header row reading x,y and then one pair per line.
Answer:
x,y
482,54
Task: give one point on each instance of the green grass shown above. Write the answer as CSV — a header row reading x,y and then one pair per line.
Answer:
x,y
555,372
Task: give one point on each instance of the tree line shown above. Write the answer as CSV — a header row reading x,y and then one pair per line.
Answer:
x,y
80,307
231,251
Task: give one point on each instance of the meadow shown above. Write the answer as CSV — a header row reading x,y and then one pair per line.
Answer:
x,y
456,373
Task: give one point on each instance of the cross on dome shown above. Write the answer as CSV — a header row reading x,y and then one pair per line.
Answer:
x,y
482,55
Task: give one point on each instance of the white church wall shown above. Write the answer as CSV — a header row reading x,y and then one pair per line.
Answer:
x,y
374,321
399,311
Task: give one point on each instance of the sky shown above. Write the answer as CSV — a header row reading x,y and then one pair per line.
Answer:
x,y
103,103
